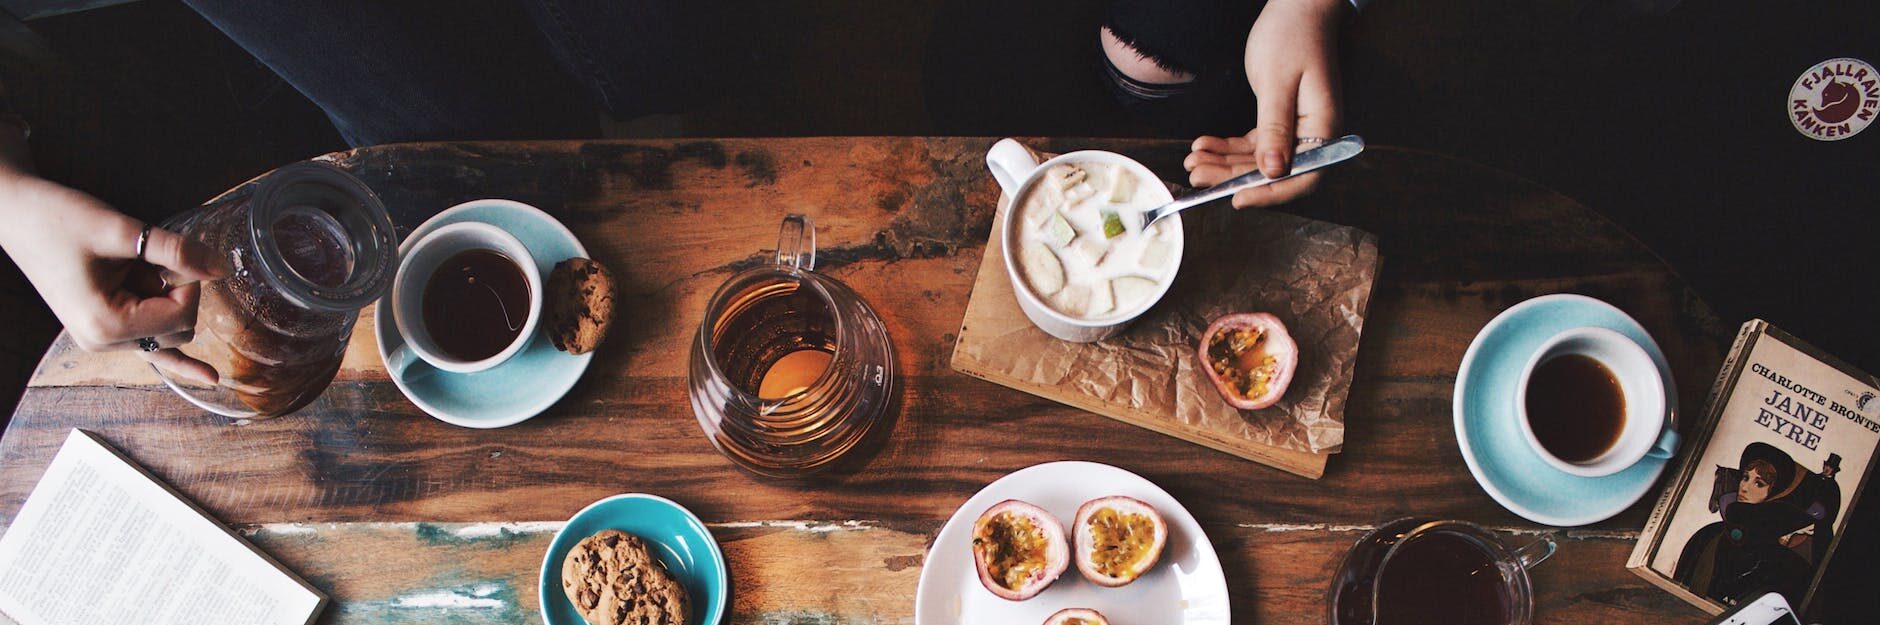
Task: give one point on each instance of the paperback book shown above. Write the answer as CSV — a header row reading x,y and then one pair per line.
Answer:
x,y
100,540
1783,448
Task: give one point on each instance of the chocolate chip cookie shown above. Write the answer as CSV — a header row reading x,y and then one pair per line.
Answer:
x,y
613,579
579,301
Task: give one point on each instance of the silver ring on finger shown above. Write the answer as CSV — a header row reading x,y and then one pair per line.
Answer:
x,y
148,343
1312,140
143,242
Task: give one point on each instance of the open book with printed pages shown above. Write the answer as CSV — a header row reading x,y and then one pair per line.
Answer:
x,y
100,540
1787,442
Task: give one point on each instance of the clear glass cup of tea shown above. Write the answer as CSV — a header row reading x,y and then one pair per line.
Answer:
x,y
790,368
1419,571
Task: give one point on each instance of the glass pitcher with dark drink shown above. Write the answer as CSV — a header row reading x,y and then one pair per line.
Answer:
x,y
308,247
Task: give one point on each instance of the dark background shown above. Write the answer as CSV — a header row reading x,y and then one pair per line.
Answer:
x,y
1672,124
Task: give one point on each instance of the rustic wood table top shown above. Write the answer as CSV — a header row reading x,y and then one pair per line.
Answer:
x,y
403,518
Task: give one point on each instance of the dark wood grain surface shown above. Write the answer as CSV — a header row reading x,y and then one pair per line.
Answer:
x,y
362,473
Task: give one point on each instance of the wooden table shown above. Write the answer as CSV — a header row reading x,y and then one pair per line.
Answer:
x,y
403,518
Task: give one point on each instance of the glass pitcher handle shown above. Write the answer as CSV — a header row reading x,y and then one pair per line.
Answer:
x,y
796,243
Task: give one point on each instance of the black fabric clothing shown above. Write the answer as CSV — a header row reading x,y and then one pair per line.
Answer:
x,y
1204,38
1194,36
387,72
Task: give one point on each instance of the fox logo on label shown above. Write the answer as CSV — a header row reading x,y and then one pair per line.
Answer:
x,y
1835,99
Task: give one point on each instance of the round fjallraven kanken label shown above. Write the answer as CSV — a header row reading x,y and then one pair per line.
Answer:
x,y
1835,99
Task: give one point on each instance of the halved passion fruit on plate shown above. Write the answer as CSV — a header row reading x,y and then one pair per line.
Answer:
x,y
1019,549
1250,358
1118,539
1076,616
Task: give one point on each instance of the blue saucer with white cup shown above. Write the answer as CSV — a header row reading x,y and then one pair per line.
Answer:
x,y
1489,431
525,384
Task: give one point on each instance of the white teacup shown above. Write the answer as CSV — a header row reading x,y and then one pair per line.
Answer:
x,y
415,271
1018,172
1645,431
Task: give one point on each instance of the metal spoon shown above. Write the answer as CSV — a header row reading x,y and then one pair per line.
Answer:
x,y
1331,153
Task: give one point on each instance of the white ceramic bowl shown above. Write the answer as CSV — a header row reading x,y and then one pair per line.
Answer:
x,y
1018,173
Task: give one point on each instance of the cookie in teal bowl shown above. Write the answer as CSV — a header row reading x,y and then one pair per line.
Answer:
x,y
677,537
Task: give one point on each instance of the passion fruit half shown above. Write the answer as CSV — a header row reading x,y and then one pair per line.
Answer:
x,y
1118,539
1076,616
1250,358
1019,549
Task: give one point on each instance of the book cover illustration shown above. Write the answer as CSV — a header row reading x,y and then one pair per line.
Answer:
x,y
1763,506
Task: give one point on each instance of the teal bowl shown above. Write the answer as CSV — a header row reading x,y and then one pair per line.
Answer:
x,y
678,538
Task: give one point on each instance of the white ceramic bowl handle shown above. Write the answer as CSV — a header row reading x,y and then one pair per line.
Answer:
x,y
1011,164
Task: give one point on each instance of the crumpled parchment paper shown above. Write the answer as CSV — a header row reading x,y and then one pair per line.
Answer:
x,y
1315,276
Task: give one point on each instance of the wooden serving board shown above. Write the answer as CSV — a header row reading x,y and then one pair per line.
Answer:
x,y
1149,376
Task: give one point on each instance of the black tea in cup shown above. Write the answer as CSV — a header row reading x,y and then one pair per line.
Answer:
x,y
475,304
1576,407
1442,579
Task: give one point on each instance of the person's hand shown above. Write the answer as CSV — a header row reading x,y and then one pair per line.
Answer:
x,y
1213,160
82,257
1292,66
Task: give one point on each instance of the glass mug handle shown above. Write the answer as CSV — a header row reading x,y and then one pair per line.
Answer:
x,y
796,243
1535,552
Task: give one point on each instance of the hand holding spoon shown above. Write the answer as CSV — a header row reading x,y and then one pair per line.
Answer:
x,y
1331,153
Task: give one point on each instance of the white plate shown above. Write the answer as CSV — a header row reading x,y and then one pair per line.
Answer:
x,y
1185,588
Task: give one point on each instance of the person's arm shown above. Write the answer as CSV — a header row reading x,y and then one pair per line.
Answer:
x,y
82,258
1292,66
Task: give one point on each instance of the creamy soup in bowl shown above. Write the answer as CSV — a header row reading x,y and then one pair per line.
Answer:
x,y
1082,263
1083,247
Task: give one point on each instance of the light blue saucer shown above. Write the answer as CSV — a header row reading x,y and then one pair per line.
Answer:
x,y
529,382
677,538
1486,428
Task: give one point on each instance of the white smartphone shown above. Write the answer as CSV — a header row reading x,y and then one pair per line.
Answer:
x,y
1769,609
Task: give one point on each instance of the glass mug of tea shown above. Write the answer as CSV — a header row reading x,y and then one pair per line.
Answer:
x,y
790,369
1418,571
